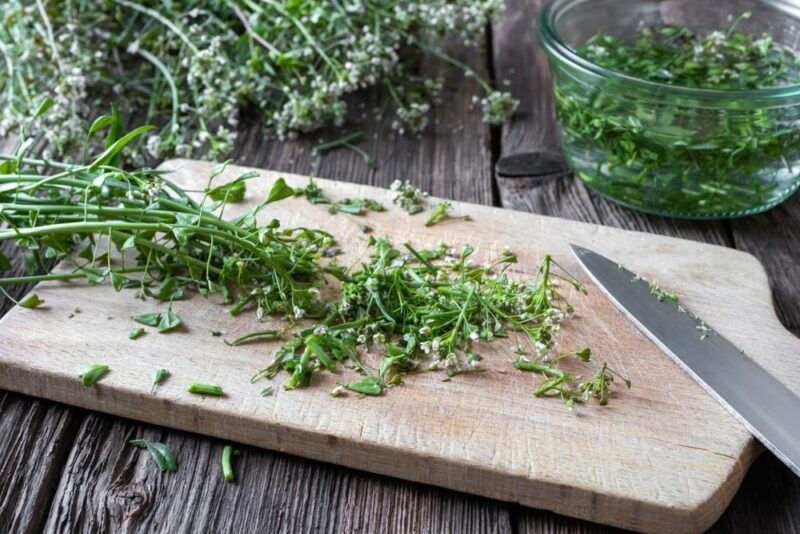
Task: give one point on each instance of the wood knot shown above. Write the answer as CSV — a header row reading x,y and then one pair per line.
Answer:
x,y
527,170
128,500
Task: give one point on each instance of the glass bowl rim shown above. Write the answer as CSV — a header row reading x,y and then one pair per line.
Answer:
x,y
555,46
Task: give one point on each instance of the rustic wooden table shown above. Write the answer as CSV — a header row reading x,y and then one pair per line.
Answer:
x,y
65,469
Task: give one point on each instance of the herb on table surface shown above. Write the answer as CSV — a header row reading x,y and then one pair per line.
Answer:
x,y
164,322
192,66
228,453
31,301
165,242
347,142
270,334
216,333
408,197
160,453
89,376
440,213
168,321
266,391
205,389
158,376
354,206
672,156
427,308
136,333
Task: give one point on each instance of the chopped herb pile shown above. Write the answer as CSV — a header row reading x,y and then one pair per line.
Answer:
x,y
665,154
428,309
722,59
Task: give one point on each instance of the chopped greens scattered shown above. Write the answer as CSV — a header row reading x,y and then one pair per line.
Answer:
x,y
428,309
205,389
158,376
159,452
89,376
136,333
227,468
668,154
31,301
440,213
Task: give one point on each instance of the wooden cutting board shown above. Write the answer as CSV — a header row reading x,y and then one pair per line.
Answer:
x,y
662,455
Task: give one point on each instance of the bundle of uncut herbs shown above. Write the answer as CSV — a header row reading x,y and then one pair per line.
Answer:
x,y
190,66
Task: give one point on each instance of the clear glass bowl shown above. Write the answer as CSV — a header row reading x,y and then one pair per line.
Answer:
x,y
665,149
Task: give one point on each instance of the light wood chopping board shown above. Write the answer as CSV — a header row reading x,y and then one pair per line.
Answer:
x,y
661,456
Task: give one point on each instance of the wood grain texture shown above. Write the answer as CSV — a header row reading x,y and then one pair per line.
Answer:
x,y
113,487
450,158
656,464
35,438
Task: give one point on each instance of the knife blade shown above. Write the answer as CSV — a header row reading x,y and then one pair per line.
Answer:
x,y
769,410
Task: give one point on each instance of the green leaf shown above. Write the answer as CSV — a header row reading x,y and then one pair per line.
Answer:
x,y
149,319
99,123
118,145
169,290
117,281
159,452
4,263
169,321
45,104
232,192
116,127
369,385
158,376
89,376
31,301
279,191
136,333
128,244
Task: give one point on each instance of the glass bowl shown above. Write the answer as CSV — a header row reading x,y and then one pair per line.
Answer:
x,y
666,149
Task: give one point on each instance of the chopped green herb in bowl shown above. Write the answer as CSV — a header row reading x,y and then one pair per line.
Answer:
x,y
692,112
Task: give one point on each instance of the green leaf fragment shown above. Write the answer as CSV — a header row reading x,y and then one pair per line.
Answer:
x,y
168,321
266,391
205,389
159,452
369,385
158,376
149,319
227,468
31,301
280,190
89,376
136,333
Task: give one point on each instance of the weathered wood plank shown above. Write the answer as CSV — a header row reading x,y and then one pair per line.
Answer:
x,y
108,485
122,491
772,237
35,439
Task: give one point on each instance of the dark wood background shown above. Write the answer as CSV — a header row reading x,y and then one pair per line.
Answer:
x,y
66,469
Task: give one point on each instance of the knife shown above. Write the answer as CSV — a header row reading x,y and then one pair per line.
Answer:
x,y
768,409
